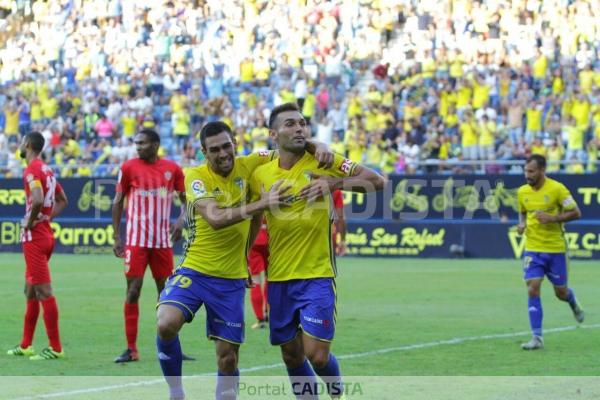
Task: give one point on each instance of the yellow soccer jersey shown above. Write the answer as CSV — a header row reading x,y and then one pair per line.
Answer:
x,y
553,198
220,253
300,234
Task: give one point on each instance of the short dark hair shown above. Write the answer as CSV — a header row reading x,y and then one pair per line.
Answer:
x,y
152,135
539,159
279,109
36,141
213,129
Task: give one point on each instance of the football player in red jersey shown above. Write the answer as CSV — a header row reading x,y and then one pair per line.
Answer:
x,y
148,183
45,200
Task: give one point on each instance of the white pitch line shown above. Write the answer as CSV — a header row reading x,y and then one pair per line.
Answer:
x,y
340,357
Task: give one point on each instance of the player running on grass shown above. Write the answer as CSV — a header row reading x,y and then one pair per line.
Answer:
x,y
544,206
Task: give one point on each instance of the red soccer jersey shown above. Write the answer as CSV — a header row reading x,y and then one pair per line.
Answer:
x,y
262,239
338,199
35,172
149,189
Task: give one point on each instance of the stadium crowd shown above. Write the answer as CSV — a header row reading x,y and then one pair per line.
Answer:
x,y
401,86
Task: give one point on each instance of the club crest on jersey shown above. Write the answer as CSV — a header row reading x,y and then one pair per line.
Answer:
x,y
198,187
546,198
239,182
168,175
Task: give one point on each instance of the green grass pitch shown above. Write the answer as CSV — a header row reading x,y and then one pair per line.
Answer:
x,y
396,317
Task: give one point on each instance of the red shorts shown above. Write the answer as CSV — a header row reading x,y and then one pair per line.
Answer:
x,y
37,253
137,259
258,259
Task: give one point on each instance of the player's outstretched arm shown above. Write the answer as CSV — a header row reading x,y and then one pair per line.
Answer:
x,y
60,203
117,212
362,180
219,218
321,152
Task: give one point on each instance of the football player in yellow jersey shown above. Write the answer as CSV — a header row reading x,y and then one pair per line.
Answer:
x,y
213,268
544,206
301,272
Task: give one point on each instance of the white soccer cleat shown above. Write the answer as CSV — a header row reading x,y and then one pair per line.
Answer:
x,y
535,343
578,313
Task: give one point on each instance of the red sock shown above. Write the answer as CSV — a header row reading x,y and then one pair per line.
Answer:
x,y
32,311
132,313
257,299
51,322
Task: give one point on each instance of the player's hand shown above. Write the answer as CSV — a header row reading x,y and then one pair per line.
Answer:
x,y
318,187
118,248
324,156
276,196
249,282
30,224
27,224
544,218
176,230
521,228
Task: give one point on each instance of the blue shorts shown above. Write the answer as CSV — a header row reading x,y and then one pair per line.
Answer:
x,y
552,265
307,304
188,289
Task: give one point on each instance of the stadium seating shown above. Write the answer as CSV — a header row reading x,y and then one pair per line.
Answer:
x,y
414,82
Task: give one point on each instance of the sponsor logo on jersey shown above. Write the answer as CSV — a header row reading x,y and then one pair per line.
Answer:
x,y
198,187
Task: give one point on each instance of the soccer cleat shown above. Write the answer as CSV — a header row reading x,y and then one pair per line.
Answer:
x,y
187,358
48,354
19,351
535,343
578,313
260,324
128,356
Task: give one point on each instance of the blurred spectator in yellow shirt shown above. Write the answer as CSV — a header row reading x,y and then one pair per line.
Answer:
x,y
260,135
